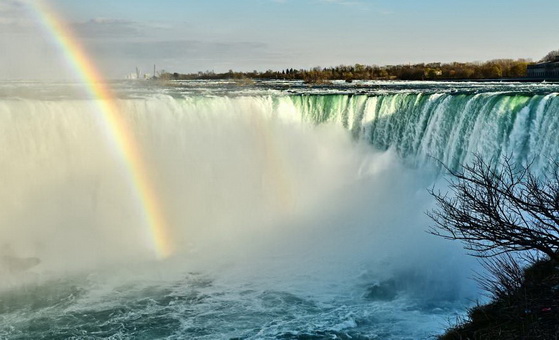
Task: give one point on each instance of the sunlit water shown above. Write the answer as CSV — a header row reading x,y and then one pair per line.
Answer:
x,y
297,212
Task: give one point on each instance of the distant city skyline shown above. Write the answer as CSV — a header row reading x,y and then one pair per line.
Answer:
x,y
191,35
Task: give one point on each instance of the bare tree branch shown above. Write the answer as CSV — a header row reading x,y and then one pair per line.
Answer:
x,y
497,208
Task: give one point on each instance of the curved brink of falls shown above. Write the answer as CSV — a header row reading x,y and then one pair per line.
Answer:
x,y
447,127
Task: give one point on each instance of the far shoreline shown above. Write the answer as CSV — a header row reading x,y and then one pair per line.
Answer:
x,y
498,70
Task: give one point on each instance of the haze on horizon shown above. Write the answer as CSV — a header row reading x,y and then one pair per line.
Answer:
x,y
189,36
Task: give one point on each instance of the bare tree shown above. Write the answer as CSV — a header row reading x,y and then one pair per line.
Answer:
x,y
503,278
551,56
499,208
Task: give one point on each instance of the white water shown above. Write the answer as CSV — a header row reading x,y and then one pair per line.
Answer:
x,y
450,128
263,203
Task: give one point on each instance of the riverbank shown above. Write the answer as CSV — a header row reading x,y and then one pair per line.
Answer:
x,y
527,309
489,70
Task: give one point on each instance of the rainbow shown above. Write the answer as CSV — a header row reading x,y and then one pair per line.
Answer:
x,y
119,131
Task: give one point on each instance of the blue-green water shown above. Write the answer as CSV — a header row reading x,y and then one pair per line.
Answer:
x,y
297,212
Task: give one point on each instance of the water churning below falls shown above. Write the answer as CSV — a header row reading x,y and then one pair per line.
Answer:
x,y
295,212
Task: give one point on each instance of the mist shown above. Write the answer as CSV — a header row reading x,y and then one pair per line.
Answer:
x,y
251,195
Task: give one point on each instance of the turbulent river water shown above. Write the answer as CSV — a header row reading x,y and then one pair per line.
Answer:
x,y
296,212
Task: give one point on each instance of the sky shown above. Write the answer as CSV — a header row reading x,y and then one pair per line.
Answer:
x,y
201,35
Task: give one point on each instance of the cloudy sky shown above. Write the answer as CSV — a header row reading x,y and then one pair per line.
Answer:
x,y
198,35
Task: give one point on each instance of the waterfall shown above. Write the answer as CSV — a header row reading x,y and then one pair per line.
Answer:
x,y
304,212
446,127
56,151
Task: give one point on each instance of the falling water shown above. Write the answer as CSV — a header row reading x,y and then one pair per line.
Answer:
x,y
296,213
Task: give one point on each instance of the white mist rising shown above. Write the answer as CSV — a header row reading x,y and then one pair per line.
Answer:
x,y
250,191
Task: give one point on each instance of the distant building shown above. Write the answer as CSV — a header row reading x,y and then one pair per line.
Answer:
x,y
547,70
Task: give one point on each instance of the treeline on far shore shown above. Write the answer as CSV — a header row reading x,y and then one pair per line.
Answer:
x,y
493,69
